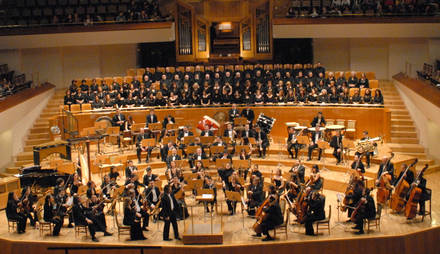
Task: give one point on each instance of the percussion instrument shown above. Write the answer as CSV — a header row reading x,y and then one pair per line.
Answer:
x,y
335,127
311,129
208,121
299,128
46,149
266,123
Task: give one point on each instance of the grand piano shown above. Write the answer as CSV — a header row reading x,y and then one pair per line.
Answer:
x,y
41,177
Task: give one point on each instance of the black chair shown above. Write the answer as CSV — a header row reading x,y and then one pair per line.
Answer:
x,y
428,207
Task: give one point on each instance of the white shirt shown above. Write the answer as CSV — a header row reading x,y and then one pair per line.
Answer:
x,y
316,137
171,202
136,204
153,191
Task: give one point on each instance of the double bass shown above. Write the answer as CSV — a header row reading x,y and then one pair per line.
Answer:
x,y
397,202
261,216
415,194
383,193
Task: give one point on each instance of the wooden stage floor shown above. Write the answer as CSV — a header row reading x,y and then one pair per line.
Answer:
x,y
238,228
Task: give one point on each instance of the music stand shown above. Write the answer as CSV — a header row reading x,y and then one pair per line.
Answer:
x,y
235,196
347,145
182,164
207,140
166,140
188,140
238,148
239,121
172,127
205,196
323,145
155,128
216,150
241,165
190,150
221,163
303,140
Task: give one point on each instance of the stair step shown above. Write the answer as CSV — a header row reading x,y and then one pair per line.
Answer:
x,y
415,155
432,169
393,102
404,140
47,115
36,141
394,106
28,148
405,122
399,111
22,163
39,130
403,128
38,136
403,134
25,156
406,148
12,170
41,125
426,161
403,117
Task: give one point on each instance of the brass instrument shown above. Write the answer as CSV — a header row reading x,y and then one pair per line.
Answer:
x,y
367,145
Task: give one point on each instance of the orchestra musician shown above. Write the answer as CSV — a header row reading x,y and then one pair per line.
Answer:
x,y
113,174
262,141
106,187
169,210
208,183
164,148
199,155
315,211
91,189
278,181
388,167
173,156
130,170
246,134
336,143
357,164
233,113
149,176
274,217
355,195
28,205
299,170
13,213
61,202
316,135
119,121
292,142
420,183
169,119
150,118
255,172
315,181
248,113
318,120
132,219
97,205
82,215
206,132
177,184
368,155
365,210
49,214
139,148
227,185
255,196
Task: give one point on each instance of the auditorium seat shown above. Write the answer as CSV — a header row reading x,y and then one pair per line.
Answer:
x,y
351,128
374,83
74,108
140,71
352,91
118,80
86,107
370,75
108,80
131,72
128,79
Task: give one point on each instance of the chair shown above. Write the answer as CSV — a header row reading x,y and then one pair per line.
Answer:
x,y
340,122
330,122
44,225
74,108
122,230
86,106
12,225
80,229
283,227
370,75
351,126
428,212
325,223
373,222
373,83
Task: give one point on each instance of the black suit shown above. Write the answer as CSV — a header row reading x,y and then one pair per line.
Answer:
x,y
149,178
116,118
293,145
274,218
246,135
208,133
316,212
361,166
12,214
166,122
336,143
261,137
130,219
139,146
172,158
49,217
316,120
233,113
315,137
389,169
256,199
150,119
249,114
169,210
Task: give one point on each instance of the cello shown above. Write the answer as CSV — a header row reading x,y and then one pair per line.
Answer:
x,y
383,193
397,201
415,194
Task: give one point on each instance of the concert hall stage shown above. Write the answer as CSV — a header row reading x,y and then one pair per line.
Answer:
x,y
396,234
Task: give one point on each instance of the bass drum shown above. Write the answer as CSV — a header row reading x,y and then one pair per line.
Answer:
x,y
103,122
